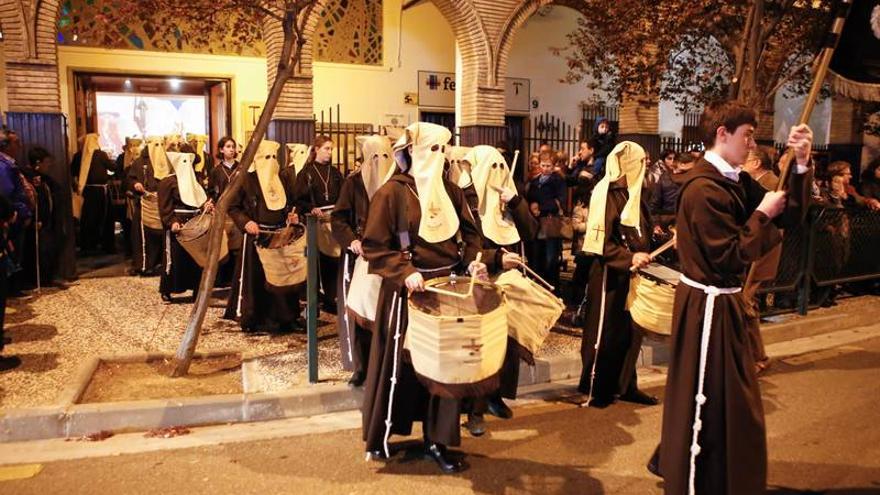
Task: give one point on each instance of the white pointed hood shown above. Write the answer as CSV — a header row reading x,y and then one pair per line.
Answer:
x,y
459,170
490,172
627,159
267,167
89,147
191,192
158,158
378,165
297,156
426,143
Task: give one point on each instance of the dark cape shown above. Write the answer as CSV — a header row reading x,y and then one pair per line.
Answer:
x,y
349,220
97,219
257,307
719,234
147,243
392,391
621,340
180,272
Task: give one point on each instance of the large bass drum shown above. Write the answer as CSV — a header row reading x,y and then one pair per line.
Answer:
x,y
194,237
651,296
457,345
533,309
282,254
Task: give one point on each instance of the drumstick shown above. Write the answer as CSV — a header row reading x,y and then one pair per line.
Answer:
x,y
513,163
459,295
657,252
531,272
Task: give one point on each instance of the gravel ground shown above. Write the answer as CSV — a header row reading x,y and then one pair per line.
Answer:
x,y
108,313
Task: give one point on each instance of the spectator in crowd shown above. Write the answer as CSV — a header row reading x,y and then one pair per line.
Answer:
x,y
13,188
759,165
534,169
560,163
840,192
544,147
40,239
870,186
546,194
665,165
7,216
602,142
696,150
665,192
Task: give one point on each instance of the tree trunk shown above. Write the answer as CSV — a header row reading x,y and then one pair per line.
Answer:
x,y
286,62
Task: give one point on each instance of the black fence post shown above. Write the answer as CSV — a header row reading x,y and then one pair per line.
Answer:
x,y
312,295
809,258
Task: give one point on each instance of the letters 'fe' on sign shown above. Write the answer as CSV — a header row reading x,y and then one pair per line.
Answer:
x,y
437,90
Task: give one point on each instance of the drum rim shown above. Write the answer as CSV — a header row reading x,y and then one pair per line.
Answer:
x,y
438,280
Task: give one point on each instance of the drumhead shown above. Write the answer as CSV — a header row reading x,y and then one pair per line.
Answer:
x,y
281,237
661,274
195,227
484,300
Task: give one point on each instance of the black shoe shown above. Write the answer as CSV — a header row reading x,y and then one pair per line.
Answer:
x,y
639,397
376,455
438,453
476,425
9,362
357,379
600,402
166,297
497,407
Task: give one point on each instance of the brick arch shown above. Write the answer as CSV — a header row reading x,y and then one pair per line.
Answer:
x,y
46,28
515,21
15,35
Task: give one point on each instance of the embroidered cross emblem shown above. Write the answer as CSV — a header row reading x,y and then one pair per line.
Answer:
x,y
597,229
433,210
474,347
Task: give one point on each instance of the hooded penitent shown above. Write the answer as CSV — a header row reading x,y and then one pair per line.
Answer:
x,y
426,144
158,158
191,192
198,141
173,142
133,147
267,167
459,171
627,159
297,156
89,147
490,173
378,165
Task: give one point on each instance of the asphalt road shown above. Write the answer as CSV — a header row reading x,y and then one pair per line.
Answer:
x,y
823,437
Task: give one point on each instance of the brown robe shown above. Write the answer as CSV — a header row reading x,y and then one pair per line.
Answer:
x,y
349,219
147,243
180,272
621,340
394,215
719,234
262,308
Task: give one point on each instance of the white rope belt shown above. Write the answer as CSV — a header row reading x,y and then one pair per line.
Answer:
x,y
711,292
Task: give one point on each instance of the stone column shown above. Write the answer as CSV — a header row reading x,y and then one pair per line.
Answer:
x,y
640,122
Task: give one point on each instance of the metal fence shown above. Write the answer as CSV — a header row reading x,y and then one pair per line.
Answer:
x,y
343,135
835,246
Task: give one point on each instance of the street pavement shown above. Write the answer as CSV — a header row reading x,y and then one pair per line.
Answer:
x,y
822,420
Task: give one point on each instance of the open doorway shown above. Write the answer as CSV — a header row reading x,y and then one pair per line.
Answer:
x,y
128,105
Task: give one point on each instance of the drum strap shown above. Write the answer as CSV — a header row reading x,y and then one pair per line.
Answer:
x,y
241,275
598,334
168,252
396,303
346,283
711,293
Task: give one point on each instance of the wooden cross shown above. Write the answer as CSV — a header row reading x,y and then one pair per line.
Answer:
x,y
474,347
597,229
